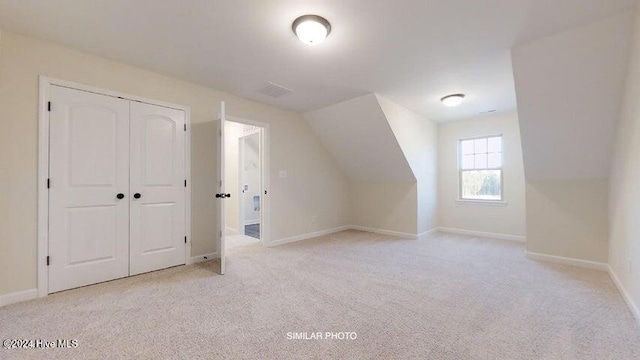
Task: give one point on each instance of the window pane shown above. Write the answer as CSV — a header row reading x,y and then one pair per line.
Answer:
x,y
480,161
466,147
481,185
495,160
495,144
467,162
480,145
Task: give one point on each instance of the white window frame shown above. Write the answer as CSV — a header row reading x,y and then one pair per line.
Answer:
x,y
461,199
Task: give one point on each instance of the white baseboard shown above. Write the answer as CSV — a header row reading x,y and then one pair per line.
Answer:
x,y
305,236
201,258
594,265
625,295
251,222
19,296
291,239
385,232
427,233
517,238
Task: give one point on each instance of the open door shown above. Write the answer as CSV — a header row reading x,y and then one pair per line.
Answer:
x,y
221,195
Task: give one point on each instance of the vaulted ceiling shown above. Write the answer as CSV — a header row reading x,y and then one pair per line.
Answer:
x,y
410,51
569,89
358,136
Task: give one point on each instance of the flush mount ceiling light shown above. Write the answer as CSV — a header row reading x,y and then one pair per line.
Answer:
x,y
452,100
311,29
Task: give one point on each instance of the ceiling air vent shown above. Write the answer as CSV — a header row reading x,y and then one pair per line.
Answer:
x,y
274,90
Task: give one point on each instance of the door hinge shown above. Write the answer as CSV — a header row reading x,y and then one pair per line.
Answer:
x,y
48,183
185,127
185,239
48,259
49,106
185,182
220,233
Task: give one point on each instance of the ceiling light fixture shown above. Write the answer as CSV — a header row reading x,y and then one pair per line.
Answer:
x,y
452,100
311,29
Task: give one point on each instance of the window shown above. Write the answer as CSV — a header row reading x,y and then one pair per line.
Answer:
x,y
480,167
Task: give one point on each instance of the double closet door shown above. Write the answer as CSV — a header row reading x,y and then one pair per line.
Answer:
x,y
116,188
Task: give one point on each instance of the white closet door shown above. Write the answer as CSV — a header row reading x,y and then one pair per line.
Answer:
x,y
157,188
88,168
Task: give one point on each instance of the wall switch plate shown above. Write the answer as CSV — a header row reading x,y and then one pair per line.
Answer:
x,y
283,174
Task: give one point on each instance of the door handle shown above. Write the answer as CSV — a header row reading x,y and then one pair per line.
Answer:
x,y
137,196
120,196
223,196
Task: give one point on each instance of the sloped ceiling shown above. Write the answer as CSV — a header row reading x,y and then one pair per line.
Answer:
x,y
412,52
357,134
568,89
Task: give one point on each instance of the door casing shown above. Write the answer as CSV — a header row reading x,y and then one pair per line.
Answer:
x,y
43,167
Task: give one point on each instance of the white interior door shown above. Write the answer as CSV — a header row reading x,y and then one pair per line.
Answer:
x,y
157,195
221,195
89,188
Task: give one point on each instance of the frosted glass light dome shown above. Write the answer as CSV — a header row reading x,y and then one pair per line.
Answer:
x,y
311,29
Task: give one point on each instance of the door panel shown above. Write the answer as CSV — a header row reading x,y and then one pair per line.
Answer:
x,y
91,244
156,231
158,145
88,167
157,174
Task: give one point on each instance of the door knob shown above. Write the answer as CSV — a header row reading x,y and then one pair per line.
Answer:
x,y
137,196
223,196
120,196
228,195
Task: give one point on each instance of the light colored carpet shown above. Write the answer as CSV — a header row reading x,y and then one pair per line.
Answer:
x,y
235,241
448,297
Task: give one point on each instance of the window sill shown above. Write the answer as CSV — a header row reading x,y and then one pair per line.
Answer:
x,y
481,202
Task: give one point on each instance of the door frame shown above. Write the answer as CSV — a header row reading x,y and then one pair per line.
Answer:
x,y
241,207
45,84
265,205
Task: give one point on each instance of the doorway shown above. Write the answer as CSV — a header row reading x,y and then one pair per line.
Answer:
x,y
249,180
243,173
233,232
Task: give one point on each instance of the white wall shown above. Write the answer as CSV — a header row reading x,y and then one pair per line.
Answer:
x,y
568,88
387,205
389,155
568,218
508,219
624,198
383,192
294,148
418,139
